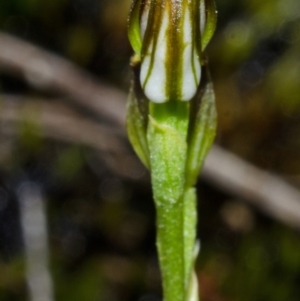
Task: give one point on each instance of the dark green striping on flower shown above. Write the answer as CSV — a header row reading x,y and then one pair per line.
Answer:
x,y
168,35
175,46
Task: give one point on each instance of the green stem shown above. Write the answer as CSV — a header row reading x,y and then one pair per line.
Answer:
x,y
176,217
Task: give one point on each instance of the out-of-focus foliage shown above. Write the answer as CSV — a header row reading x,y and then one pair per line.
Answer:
x,y
101,227
255,61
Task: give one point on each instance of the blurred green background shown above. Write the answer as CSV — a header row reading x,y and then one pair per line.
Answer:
x,y
101,226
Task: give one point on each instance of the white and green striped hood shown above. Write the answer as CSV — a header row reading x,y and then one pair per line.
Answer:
x,y
169,36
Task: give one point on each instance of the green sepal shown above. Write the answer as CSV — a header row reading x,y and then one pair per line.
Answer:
x,y
211,23
202,129
134,34
136,122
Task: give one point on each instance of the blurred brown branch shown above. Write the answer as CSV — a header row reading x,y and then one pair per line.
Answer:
x,y
261,188
47,71
58,121
55,120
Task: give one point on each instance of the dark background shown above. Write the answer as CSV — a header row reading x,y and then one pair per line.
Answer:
x,y
100,215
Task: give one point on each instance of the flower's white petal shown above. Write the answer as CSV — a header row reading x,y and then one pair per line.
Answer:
x,y
154,73
153,77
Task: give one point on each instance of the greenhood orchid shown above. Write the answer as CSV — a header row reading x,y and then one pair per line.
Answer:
x,y
171,123
170,37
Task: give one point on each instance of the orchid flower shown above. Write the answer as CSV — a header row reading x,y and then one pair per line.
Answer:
x,y
171,123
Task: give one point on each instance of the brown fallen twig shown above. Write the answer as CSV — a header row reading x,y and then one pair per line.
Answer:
x,y
57,121
262,189
46,71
